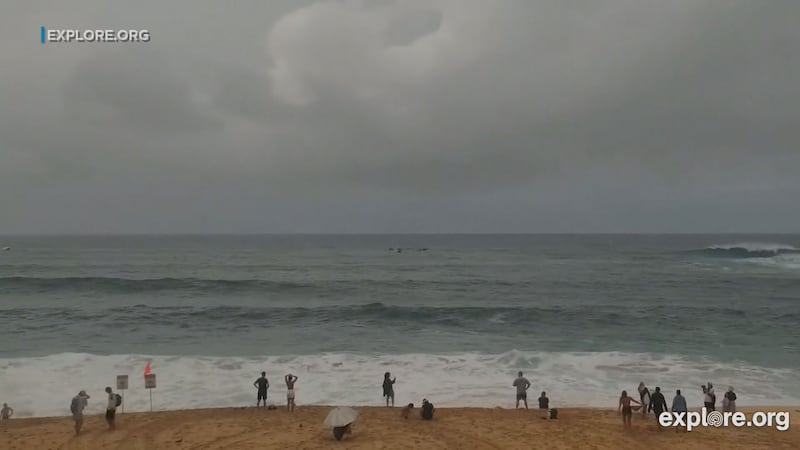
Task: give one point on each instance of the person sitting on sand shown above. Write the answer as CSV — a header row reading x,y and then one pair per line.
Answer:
x,y
522,384
388,388
729,402
658,404
290,381
262,384
426,412
76,408
625,408
7,412
406,410
679,403
544,402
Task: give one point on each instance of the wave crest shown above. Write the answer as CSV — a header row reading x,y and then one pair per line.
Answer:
x,y
749,250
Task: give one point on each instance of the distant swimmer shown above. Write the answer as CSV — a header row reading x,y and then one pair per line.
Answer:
x,y
625,408
262,384
522,384
7,412
290,381
388,388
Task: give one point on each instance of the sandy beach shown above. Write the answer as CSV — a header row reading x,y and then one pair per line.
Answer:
x,y
382,428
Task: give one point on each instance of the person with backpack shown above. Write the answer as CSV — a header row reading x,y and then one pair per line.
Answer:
x,y
729,402
114,400
76,407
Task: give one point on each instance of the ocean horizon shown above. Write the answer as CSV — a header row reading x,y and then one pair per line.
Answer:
x,y
453,316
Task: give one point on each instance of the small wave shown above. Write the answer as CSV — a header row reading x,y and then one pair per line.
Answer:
x,y
111,285
748,250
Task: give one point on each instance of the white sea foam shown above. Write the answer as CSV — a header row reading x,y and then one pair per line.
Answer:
x,y
790,261
43,386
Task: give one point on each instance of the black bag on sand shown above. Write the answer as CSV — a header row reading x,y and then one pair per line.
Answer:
x,y
554,413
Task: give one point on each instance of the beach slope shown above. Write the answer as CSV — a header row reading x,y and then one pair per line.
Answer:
x,y
382,428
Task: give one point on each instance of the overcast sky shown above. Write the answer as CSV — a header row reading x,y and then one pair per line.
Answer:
x,y
402,116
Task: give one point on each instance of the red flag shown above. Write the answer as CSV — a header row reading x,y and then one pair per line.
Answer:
x,y
147,368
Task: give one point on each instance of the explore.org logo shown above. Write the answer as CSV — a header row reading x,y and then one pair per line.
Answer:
x,y
779,420
67,35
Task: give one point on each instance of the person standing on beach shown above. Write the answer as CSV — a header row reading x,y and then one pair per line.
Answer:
x,y
522,384
625,408
262,384
729,402
111,407
658,403
76,408
290,381
679,403
7,412
709,397
644,397
388,388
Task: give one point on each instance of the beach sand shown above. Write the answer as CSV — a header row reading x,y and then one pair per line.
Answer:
x,y
383,428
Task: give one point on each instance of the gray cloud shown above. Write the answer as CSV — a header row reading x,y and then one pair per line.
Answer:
x,y
350,116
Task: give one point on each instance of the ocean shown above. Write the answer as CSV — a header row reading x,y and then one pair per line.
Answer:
x,y
453,317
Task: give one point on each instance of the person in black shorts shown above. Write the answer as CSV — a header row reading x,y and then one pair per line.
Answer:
x,y
522,384
262,384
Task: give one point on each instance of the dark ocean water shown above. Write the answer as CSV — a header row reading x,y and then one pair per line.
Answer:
x,y
581,314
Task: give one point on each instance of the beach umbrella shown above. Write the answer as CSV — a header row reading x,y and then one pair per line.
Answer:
x,y
339,417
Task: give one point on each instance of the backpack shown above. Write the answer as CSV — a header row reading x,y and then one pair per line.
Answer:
x,y
118,399
73,407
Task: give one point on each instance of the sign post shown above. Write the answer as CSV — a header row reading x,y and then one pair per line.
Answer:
x,y
122,385
150,384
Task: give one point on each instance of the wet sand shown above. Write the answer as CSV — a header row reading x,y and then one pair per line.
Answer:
x,y
383,428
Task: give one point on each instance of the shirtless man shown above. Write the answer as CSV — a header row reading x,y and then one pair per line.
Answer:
x,y
290,380
262,384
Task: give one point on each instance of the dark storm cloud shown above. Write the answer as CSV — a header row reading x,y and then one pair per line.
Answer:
x,y
444,115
